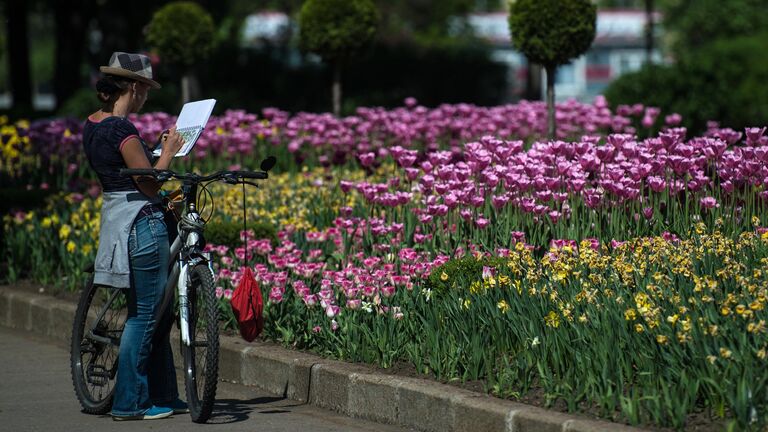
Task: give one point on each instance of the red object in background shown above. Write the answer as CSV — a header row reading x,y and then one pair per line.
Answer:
x,y
598,72
248,306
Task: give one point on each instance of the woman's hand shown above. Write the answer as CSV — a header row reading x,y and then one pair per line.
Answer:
x,y
160,139
172,143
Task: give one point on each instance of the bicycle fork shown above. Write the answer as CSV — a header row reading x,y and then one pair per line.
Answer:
x,y
183,304
179,279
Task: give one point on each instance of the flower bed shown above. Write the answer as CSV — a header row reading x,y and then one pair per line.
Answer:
x,y
622,275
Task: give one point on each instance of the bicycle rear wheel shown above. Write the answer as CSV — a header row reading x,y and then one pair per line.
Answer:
x,y
96,331
201,357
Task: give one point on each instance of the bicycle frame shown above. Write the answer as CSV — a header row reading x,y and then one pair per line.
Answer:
x,y
186,251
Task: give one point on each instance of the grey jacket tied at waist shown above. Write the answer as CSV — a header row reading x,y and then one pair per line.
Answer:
x,y
118,212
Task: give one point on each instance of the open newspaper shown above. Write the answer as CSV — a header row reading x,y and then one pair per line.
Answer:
x,y
190,124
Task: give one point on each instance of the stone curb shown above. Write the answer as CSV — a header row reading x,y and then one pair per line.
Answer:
x,y
351,389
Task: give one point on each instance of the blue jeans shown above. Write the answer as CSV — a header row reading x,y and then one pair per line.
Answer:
x,y
145,373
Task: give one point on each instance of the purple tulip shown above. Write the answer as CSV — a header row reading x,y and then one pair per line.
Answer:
x,y
366,159
554,215
499,201
648,212
482,222
754,134
709,202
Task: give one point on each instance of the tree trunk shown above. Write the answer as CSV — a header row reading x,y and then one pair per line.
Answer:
x,y
337,88
71,30
18,54
533,82
649,25
194,87
186,88
551,126
190,87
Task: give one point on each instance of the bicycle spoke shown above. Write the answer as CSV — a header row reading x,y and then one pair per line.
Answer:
x,y
96,336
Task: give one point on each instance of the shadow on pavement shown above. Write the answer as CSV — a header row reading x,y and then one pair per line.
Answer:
x,y
235,410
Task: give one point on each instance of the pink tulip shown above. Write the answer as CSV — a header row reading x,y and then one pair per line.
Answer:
x,y
332,310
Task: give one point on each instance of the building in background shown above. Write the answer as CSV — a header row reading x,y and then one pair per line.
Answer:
x,y
619,47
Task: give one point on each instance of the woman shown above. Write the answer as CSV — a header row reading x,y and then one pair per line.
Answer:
x,y
133,246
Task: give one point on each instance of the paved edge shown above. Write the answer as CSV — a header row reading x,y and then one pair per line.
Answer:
x,y
351,389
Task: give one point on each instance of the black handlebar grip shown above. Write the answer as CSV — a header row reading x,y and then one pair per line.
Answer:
x,y
138,172
252,174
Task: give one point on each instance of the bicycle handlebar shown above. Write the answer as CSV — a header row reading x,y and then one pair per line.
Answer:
x,y
139,172
168,174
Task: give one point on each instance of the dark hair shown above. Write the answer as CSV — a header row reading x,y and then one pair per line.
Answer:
x,y
109,88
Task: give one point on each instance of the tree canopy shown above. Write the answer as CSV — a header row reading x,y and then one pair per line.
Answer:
x,y
552,32
182,32
692,24
335,29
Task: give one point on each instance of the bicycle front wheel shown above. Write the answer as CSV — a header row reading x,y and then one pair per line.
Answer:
x,y
98,326
201,356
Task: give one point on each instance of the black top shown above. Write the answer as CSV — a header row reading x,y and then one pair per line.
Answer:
x,y
102,142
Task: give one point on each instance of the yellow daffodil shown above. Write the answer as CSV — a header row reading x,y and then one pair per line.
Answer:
x,y
503,306
552,319
64,231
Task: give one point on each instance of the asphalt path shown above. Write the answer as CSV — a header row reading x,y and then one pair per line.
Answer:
x,y
36,395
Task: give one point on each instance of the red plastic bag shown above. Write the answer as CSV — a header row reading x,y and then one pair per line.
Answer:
x,y
248,306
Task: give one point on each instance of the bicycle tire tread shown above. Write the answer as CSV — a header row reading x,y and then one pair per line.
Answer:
x,y
201,409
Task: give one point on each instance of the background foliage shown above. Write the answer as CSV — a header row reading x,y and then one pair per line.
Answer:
x,y
724,80
336,29
182,33
552,32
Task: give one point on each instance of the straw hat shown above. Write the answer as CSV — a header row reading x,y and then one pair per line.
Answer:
x,y
133,66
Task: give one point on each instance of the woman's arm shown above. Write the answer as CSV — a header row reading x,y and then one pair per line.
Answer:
x,y
134,156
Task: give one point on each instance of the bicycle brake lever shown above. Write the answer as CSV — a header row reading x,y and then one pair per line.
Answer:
x,y
249,183
163,177
231,180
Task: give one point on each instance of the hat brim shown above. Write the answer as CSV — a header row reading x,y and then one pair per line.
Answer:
x,y
128,74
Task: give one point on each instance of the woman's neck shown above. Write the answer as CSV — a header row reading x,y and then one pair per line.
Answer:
x,y
122,107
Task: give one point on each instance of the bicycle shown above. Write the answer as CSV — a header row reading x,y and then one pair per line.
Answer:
x,y
102,311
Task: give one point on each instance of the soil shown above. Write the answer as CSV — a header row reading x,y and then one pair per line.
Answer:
x,y
697,422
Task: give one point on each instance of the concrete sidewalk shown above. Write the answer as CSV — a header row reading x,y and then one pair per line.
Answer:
x,y
37,395
353,390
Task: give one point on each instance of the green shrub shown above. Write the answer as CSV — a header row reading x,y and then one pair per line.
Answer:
x,y
552,32
81,104
228,233
20,199
182,32
724,82
335,29
461,272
